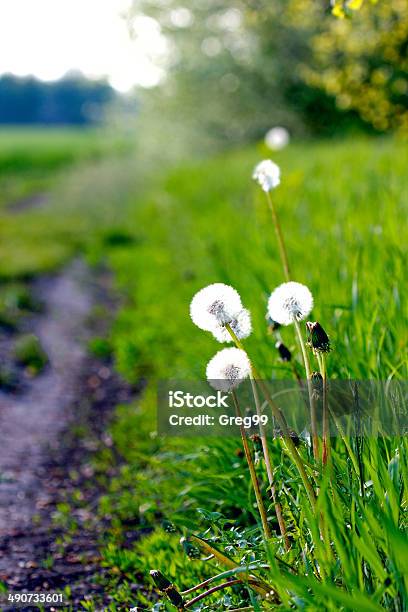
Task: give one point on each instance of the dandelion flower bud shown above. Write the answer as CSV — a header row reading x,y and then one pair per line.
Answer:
x,y
317,377
228,368
214,305
283,351
165,586
290,302
160,580
240,324
267,174
317,385
317,339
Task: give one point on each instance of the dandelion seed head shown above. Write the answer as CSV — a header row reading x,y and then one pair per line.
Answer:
x,y
227,369
267,174
290,302
214,305
240,324
277,138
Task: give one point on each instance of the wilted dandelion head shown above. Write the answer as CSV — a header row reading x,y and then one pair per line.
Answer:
x,y
277,138
267,174
228,368
214,305
240,324
290,302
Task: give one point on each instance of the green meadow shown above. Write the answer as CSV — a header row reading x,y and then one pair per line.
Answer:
x,y
50,204
167,231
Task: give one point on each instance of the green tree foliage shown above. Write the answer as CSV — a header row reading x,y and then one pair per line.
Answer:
x,y
234,71
363,64
345,8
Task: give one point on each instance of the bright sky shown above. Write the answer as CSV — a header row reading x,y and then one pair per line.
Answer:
x,y
47,38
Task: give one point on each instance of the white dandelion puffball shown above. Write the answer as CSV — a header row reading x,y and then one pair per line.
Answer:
x,y
290,302
214,305
267,174
240,324
277,138
227,369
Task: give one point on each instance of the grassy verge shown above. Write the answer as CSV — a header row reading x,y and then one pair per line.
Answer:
x,y
342,206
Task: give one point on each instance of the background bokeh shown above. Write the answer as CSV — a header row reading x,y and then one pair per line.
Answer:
x,y
235,70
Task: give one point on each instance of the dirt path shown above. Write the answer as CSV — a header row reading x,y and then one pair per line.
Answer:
x,y
36,451
35,200
32,421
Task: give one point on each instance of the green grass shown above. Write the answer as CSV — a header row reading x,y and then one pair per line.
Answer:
x,y
85,176
32,159
342,208
27,149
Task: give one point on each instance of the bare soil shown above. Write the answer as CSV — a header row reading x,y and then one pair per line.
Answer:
x,y
50,430
35,200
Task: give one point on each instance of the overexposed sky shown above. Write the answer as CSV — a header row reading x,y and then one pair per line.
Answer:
x,y
47,38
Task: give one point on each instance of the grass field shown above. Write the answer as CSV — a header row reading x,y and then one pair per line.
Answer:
x,y
342,208
67,170
32,159
169,233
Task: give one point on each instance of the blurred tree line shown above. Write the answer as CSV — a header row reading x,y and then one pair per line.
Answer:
x,y
236,69
72,100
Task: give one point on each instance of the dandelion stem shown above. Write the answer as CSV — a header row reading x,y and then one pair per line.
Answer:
x,y
326,439
279,236
315,439
290,444
254,478
269,468
282,424
303,349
